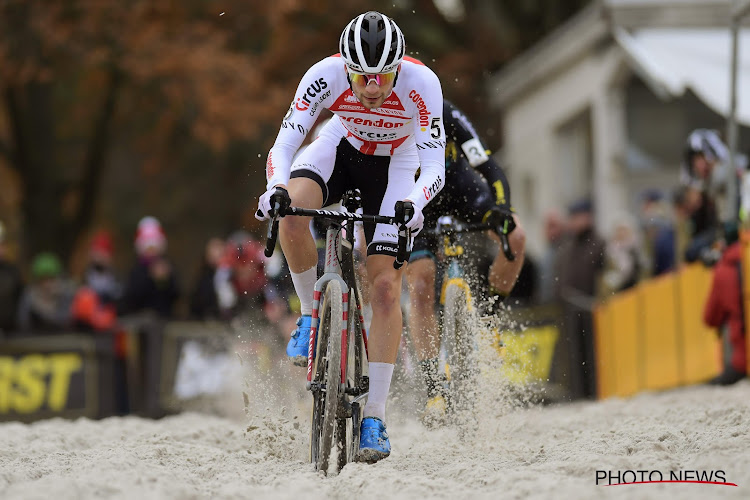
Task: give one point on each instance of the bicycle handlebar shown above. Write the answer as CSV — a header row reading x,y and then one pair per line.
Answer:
x,y
403,233
467,228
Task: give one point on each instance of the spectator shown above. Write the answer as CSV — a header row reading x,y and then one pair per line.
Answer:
x,y
46,303
94,305
622,256
658,231
11,286
241,280
681,206
554,233
723,310
99,274
152,284
706,170
204,302
580,263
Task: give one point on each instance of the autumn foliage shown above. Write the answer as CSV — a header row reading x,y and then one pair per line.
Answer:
x,y
112,109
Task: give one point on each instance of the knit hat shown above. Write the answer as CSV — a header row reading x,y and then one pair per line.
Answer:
x,y
46,265
149,235
101,243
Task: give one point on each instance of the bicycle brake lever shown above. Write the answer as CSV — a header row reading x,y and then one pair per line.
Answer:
x,y
506,247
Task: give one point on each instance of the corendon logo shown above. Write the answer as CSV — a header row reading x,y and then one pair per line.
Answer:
x,y
424,121
369,123
303,103
269,166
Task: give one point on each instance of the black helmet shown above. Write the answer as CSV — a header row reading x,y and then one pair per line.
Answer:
x,y
372,43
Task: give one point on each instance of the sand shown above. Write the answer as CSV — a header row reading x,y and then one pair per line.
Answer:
x,y
507,451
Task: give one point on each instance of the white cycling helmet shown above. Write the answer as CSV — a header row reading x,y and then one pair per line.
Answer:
x,y
708,143
372,43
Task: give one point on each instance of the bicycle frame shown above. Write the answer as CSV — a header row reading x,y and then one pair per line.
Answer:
x,y
337,250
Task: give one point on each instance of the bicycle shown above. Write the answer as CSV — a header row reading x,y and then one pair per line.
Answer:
x,y
459,312
338,382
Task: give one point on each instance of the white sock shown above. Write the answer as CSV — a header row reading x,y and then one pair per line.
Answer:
x,y
380,385
304,285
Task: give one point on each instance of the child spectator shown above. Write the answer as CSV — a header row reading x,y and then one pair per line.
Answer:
x,y
46,303
152,283
94,305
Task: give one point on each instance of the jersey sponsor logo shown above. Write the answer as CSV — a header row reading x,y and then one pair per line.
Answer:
x,y
424,113
377,136
317,103
269,166
465,122
365,122
385,247
294,126
303,102
431,145
432,189
499,193
348,101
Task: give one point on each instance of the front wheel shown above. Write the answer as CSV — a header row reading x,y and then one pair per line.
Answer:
x,y
327,377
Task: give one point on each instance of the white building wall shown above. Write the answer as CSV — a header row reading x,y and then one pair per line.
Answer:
x,y
532,143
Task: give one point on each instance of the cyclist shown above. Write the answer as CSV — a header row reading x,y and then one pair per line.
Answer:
x,y
387,123
476,190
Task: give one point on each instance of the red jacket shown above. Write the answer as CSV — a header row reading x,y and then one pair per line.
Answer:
x,y
724,304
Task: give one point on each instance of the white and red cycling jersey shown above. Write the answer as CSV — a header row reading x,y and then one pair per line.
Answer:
x,y
410,120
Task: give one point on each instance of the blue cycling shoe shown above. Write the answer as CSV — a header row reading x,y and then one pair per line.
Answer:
x,y
300,341
373,441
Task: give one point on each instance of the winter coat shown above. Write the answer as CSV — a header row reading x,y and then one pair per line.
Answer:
x,y
724,304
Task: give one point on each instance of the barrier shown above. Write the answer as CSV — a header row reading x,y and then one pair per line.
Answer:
x,y
652,337
66,375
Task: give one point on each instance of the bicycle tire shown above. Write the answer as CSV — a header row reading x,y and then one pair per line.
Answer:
x,y
457,335
347,429
327,369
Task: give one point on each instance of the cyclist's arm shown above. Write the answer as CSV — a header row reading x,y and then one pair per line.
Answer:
x,y
313,94
430,137
462,132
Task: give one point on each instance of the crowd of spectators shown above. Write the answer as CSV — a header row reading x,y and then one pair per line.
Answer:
x,y
233,281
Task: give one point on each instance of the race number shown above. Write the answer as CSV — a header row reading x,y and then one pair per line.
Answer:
x,y
474,152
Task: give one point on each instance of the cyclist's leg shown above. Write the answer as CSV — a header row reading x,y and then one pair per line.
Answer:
x,y
425,334
383,181
294,232
503,273
423,325
313,180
